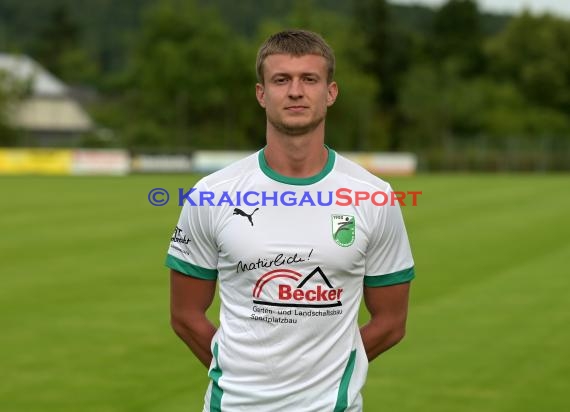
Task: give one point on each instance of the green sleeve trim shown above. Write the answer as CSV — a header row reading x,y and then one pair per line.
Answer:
x,y
390,279
190,269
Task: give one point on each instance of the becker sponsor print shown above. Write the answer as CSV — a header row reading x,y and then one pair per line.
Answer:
x,y
284,295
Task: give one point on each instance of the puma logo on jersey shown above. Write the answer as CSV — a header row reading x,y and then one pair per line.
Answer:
x,y
240,212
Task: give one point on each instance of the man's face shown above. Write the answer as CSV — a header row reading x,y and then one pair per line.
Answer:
x,y
295,93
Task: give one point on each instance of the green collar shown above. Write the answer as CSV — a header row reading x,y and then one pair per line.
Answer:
x,y
298,181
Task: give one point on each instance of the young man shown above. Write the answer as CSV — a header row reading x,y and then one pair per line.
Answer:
x,y
292,264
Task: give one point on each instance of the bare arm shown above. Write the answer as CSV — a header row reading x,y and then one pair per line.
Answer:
x,y
189,299
388,307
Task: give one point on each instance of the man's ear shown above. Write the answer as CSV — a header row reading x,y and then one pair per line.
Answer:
x,y
332,93
260,94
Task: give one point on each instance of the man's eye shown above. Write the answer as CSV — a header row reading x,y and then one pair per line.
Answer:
x,y
310,80
280,80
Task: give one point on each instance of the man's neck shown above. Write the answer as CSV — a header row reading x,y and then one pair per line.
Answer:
x,y
296,156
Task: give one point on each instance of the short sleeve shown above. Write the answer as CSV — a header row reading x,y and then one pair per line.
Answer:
x,y
389,258
193,250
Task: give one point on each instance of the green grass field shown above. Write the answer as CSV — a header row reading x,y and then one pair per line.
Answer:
x,y
84,298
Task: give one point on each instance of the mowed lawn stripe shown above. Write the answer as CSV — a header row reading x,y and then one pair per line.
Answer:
x,y
497,346
85,317
78,234
486,329
471,244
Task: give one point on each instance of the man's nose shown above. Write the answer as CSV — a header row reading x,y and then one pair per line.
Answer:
x,y
295,89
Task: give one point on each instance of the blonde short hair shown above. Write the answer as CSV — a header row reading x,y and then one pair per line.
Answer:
x,y
296,43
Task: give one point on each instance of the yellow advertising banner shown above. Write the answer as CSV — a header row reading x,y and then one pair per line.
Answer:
x,y
35,161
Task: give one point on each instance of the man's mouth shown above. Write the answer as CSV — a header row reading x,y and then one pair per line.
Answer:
x,y
296,108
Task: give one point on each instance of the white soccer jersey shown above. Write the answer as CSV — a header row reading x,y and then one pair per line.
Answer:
x,y
291,265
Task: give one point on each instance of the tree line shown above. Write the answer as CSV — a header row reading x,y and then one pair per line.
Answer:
x,y
179,74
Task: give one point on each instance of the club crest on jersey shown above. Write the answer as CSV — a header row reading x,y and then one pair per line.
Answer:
x,y
343,229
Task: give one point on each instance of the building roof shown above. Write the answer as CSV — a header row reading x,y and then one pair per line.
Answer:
x,y
22,68
48,107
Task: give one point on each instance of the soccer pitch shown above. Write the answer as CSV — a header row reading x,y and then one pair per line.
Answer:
x,y
85,314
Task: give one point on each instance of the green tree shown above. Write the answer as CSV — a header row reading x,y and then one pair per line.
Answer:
x,y
457,35
440,105
58,48
533,53
371,19
389,52
11,91
187,78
